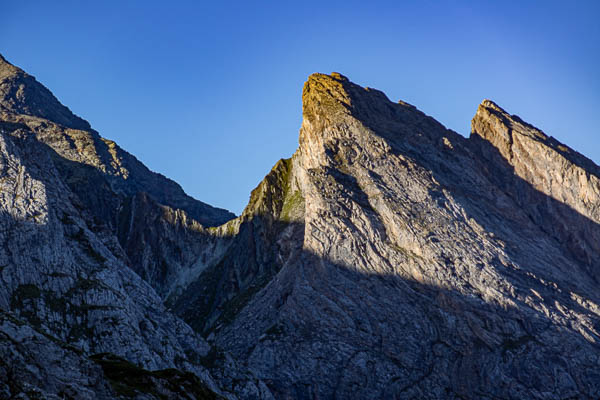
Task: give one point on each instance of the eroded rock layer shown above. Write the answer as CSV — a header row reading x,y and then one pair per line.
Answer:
x,y
431,266
389,257
89,240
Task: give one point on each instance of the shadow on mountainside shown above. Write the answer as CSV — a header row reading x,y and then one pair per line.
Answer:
x,y
413,133
325,330
514,206
574,232
321,333
321,329
523,218
458,164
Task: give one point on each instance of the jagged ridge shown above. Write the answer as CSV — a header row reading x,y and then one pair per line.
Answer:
x,y
422,272
388,258
70,241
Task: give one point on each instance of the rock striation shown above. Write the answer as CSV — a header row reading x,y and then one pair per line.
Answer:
x,y
389,257
69,261
566,198
423,264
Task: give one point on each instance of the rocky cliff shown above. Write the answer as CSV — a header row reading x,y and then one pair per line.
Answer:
x,y
75,285
389,257
422,264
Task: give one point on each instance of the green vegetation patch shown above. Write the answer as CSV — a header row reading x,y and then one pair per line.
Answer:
x,y
268,197
292,205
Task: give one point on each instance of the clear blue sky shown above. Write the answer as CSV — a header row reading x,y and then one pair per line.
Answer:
x,y
208,93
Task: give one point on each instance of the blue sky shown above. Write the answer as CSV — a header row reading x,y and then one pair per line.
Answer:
x,y
209,93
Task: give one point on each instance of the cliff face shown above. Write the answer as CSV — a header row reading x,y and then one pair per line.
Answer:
x,y
565,200
75,210
430,265
389,257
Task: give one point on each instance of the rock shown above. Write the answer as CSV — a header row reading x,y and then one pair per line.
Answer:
x,y
63,269
558,187
37,366
389,257
421,272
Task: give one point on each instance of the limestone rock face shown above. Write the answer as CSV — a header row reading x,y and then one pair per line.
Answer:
x,y
68,260
21,94
427,269
389,257
558,187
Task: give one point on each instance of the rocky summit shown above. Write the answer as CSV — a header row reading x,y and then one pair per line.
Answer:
x,y
388,258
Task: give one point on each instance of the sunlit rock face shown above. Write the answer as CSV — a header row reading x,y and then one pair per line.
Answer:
x,y
565,201
424,264
389,257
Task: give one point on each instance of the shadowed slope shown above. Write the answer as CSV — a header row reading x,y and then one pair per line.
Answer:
x,y
420,274
388,258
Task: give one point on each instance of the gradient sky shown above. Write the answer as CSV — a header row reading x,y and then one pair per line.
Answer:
x,y
209,93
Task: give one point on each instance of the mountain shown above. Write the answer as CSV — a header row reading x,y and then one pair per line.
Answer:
x,y
392,258
73,257
389,257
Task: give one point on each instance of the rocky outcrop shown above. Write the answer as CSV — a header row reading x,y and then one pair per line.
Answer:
x,y
421,274
26,101
558,187
389,257
69,247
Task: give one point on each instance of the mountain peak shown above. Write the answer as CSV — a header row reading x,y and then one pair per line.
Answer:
x,y
327,99
21,94
493,124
